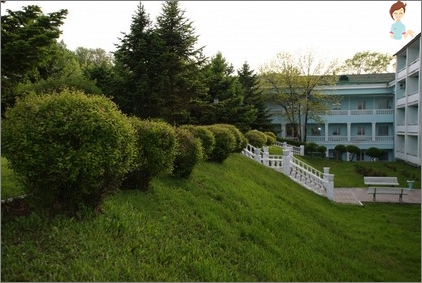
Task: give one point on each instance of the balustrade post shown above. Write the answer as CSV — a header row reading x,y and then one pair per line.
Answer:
x,y
284,144
302,150
265,156
287,159
329,183
257,156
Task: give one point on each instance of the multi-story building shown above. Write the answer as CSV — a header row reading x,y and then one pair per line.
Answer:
x,y
363,116
375,110
408,103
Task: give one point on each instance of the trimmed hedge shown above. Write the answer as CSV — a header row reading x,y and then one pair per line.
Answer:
x,y
256,138
241,140
225,143
156,145
189,153
68,149
205,135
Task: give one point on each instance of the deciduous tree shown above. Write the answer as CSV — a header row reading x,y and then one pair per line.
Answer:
x,y
367,62
26,38
291,82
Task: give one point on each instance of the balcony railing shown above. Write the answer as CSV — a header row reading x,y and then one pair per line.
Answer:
x,y
361,112
365,139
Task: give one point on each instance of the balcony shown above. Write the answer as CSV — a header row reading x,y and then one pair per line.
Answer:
x,y
354,139
413,98
414,65
361,112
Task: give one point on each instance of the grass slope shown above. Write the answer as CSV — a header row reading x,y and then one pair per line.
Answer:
x,y
236,221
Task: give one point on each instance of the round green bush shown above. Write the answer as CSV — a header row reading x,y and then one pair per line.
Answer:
x,y
256,138
156,145
189,153
271,134
205,135
225,143
322,149
241,140
311,147
68,149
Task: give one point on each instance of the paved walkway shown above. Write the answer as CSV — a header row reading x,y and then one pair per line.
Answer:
x,y
359,196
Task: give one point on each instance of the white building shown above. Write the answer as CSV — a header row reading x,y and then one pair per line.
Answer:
x,y
408,125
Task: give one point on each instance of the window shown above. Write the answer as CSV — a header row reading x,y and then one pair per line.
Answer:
x,y
336,106
384,104
361,131
383,130
336,131
361,104
291,130
315,131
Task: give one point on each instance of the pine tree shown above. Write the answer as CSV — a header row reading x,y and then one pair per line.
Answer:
x,y
132,60
177,64
254,96
226,97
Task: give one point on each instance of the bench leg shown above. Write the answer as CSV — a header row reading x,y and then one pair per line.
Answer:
x,y
375,193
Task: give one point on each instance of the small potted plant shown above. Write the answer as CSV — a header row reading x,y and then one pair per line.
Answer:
x,y
410,184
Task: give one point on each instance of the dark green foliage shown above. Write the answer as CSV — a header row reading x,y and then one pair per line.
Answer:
x,y
225,143
224,102
68,149
256,138
205,135
156,145
353,149
374,152
311,147
322,149
26,38
189,153
254,96
241,140
340,149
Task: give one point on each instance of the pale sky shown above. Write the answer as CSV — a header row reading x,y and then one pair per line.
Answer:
x,y
252,31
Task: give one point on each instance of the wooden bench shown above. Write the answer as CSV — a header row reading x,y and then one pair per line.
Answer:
x,y
384,185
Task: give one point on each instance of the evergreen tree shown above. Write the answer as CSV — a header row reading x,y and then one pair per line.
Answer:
x,y
176,65
225,97
254,96
132,60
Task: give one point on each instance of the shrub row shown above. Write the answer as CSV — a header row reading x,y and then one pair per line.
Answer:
x,y
70,149
260,139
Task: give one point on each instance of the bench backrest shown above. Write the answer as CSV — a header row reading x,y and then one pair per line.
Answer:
x,y
381,180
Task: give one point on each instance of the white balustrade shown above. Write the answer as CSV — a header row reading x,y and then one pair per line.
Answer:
x,y
319,182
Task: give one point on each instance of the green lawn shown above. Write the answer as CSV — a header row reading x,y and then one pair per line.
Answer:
x,y
345,175
236,221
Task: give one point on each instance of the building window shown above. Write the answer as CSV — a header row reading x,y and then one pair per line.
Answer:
x,y
383,130
384,104
361,105
361,131
291,130
315,131
336,106
336,131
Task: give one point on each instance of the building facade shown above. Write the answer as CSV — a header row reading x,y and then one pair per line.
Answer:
x,y
408,103
375,110
363,116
